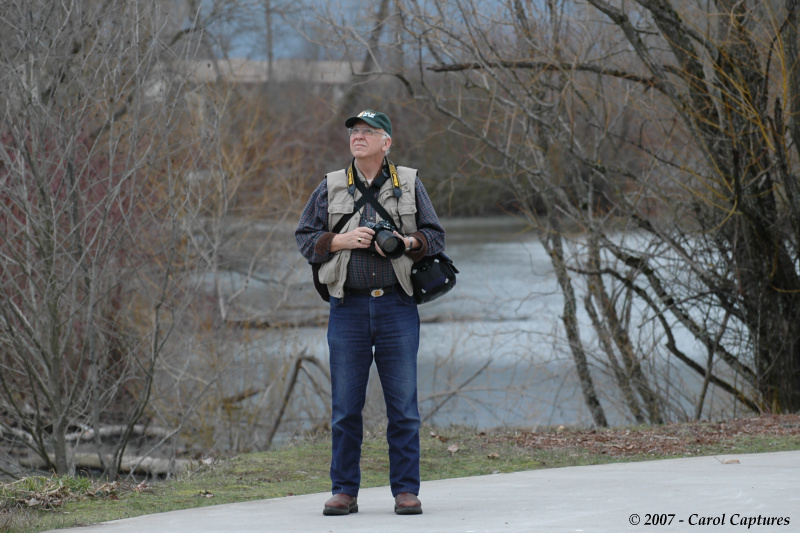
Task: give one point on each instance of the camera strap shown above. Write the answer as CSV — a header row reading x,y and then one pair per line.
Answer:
x,y
387,170
369,195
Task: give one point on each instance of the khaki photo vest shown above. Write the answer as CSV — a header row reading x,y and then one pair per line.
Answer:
x,y
341,203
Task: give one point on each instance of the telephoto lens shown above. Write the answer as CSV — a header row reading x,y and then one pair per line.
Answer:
x,y
391,244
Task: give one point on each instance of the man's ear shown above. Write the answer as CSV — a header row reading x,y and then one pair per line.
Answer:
x,y
387,142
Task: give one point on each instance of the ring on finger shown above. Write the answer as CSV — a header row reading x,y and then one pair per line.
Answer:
x,y
359,240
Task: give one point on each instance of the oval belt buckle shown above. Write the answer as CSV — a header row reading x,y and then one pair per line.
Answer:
x,y
375,293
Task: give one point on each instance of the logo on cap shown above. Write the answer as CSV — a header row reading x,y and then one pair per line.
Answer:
x,y
367,113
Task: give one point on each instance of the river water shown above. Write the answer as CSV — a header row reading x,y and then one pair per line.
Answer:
x,y
493,352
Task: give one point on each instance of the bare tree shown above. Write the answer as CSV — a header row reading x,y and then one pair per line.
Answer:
x,y
729,81
90,250
654,145
127,184
241,202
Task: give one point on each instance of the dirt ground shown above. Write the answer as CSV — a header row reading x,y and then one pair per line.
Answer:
x,y
671,439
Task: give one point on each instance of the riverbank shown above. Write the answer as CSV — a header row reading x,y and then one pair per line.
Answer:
x,y
300,467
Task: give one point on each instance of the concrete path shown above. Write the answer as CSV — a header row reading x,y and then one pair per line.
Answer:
x,y
732,493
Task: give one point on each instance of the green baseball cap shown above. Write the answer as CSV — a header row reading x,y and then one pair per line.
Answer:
x,y
375,119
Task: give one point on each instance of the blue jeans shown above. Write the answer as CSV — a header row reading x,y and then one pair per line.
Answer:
x,y
390,325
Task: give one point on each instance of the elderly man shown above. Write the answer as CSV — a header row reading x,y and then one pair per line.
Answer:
x,y
373,314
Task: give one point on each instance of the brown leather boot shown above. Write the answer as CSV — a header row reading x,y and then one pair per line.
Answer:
x,y
341,504
407,503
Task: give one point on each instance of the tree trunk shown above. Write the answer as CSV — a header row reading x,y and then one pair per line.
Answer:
x,y
554,247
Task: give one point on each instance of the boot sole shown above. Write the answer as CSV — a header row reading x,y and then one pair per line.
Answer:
x,y
407,510
335,511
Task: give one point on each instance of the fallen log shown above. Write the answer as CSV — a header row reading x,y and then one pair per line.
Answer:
x,y
153,466
139,430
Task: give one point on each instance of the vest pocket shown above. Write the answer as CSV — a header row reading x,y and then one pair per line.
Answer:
x,y
406,209
328,271
340,208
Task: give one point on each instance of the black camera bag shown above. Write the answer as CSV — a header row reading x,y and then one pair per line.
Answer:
x,y
433,276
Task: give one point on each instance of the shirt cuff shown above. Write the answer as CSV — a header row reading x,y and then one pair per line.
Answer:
x,y
323,246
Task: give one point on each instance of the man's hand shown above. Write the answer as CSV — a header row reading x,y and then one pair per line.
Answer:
x,y
361,237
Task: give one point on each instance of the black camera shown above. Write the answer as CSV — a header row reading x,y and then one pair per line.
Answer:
x,y
391,245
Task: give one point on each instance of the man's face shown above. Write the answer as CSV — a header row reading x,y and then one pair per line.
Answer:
x,y
363,145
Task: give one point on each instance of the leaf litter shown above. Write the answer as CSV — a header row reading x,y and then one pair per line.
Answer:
x,y
48,494
669,439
